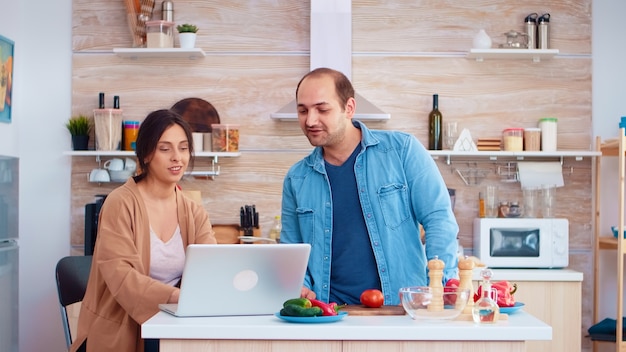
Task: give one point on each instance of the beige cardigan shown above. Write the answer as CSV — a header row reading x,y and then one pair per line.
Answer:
x,y
120,294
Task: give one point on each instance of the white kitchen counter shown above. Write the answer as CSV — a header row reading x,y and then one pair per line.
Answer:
x,y
520,326
531,275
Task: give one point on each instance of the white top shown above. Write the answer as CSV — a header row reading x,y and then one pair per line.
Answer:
x,y
520,326
167,259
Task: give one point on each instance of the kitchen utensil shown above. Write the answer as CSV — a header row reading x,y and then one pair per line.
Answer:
x,y
312,320
198,113
360,310
417,299
515,40
114,164
99,175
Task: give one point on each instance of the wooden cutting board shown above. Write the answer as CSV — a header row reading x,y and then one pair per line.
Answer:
x,y
357,309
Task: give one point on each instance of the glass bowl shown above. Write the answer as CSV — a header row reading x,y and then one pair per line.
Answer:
x,y
427,303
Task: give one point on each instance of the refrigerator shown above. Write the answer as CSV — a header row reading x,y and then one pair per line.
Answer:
x,y
9,252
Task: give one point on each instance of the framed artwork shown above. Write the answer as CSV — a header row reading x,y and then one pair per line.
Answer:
x,y
6,78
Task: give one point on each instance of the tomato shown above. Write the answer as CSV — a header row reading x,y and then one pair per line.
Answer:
x,y
372,298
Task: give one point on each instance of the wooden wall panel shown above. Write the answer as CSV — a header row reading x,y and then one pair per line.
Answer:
x,y
403,52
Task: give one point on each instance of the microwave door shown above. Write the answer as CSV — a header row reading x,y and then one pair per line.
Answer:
x,y
514,243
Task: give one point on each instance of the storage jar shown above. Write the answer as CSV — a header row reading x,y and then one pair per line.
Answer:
x,y
160,34
225,137
532,139
513,139
548,134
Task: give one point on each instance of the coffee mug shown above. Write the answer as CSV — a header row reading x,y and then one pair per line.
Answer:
x,y
130,165
114,164
99,175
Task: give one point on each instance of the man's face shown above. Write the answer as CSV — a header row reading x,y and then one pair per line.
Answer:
x,y
322,119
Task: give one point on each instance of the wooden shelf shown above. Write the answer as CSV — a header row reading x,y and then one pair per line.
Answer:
x,y
606,242
535,55
136,53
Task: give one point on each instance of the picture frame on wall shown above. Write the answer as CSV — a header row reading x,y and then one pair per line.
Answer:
x,y
6,78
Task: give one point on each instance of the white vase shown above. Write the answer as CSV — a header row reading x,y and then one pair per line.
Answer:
x,y
482,40
187,40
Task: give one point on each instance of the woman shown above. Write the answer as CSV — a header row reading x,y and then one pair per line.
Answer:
x,y
144,228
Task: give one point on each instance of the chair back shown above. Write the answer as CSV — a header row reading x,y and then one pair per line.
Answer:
x,y
72,274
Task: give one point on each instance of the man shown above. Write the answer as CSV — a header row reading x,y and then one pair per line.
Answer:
x,y
359,198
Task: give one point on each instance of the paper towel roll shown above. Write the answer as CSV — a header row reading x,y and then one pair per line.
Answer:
x,y
538,174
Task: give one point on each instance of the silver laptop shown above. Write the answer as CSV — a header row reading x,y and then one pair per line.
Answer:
x,y
239,279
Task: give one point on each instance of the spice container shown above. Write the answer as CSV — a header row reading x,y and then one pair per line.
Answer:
x,y
160,34
131,130
225,138
548,134
513,139
532,139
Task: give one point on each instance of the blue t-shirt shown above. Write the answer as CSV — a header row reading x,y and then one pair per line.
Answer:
x,y
353,266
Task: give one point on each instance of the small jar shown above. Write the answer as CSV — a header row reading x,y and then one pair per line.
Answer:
x,y
548,134
503,210
532,139
513,139
160,34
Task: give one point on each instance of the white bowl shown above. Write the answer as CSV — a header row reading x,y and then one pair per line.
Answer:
x,y
427,303
120,175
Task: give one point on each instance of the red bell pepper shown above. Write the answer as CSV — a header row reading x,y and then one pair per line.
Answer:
x,y
451,286
505,289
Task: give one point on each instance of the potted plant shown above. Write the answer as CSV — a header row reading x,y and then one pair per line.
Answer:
x,y
187,35
79,127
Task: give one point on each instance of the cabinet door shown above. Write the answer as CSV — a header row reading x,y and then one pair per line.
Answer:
x,y
558,304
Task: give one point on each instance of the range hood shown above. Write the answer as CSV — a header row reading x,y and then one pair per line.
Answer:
x,y
331,46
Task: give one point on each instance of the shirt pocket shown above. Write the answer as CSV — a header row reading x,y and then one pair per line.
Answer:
x,y
306,222
394,202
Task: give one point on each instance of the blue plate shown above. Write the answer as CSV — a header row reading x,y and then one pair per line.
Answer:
x,y
510,310
313,320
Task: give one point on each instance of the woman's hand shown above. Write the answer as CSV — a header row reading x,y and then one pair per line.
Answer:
x,y
174,296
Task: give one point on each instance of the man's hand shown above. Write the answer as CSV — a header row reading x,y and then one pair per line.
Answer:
x,y
307,293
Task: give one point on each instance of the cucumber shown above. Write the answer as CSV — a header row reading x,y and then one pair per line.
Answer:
x,y
296,311
300,302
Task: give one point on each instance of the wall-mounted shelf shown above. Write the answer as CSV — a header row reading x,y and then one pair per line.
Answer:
x,y
100,153
448,155
136,53
535,55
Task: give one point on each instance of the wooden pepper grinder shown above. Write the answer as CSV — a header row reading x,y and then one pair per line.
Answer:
x,y
435,273
466,266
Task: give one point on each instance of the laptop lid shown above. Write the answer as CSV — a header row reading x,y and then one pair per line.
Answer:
x,y
239,279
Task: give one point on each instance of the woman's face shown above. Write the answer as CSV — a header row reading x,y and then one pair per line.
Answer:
x,y
169,160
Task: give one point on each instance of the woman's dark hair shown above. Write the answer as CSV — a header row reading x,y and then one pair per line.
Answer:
x,y
151,130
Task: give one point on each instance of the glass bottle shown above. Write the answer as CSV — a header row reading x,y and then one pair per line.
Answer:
x,y
434,126
486,310
276,228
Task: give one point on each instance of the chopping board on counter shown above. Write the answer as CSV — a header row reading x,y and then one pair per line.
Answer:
x,y
358,309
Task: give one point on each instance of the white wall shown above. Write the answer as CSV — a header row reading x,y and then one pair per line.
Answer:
x,y
609,85
41,30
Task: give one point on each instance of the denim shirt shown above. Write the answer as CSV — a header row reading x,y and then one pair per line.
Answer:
x,y
400,187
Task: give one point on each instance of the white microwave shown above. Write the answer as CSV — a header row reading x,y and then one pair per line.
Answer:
x,y
522,242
